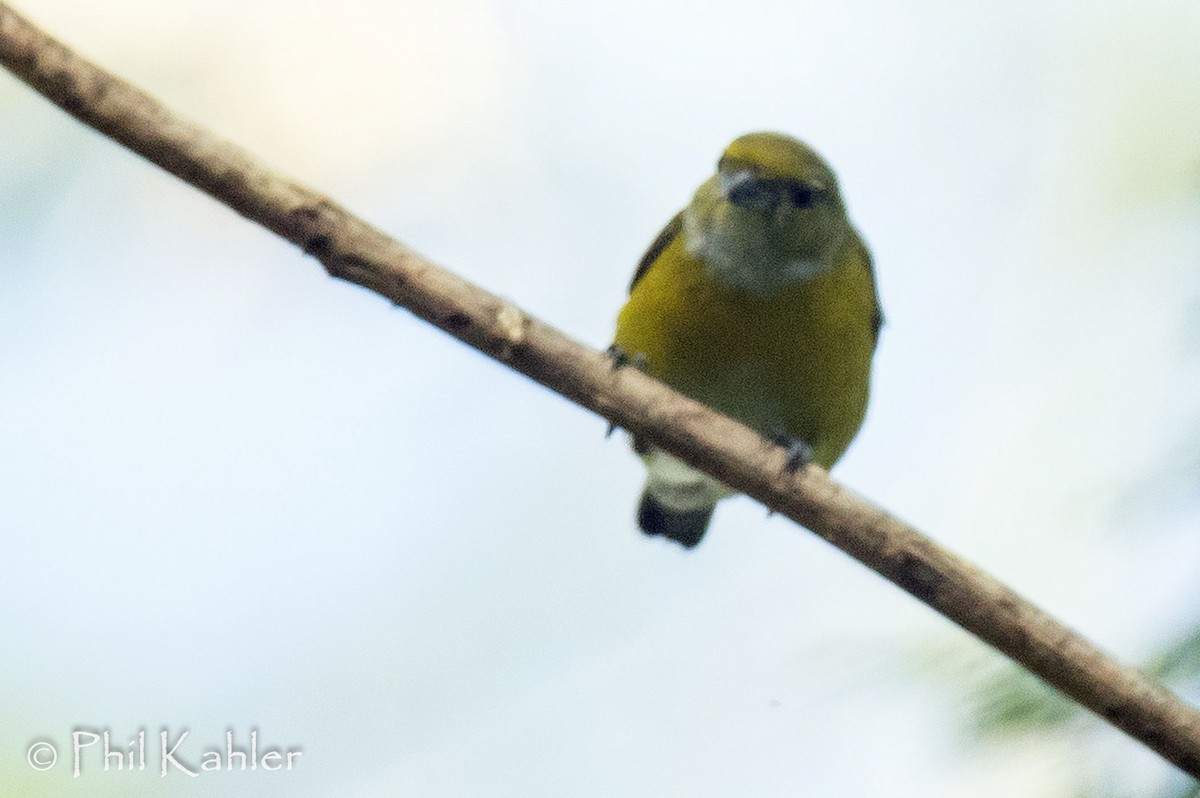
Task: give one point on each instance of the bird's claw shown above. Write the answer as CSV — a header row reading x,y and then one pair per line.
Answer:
x,y
620,359
797,453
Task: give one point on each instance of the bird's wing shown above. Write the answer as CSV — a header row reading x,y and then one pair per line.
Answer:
x,y
660,243
877,314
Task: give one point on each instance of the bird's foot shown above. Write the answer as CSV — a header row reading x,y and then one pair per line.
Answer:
x,y
797,452
620,359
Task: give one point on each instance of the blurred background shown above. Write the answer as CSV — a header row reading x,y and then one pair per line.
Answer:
x,y
238,495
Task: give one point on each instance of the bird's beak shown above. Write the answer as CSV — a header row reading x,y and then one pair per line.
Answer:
x,y
743,188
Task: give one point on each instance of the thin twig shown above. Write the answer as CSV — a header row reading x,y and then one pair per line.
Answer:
x,y
353,250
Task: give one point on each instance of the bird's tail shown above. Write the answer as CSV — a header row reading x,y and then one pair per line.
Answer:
x,y
682,526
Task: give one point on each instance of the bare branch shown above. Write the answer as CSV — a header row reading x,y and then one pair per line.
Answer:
x,y
353,250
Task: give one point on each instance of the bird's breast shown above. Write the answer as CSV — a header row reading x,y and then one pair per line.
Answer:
x,y
795,362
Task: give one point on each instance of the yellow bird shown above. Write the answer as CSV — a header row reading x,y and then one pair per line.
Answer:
x,y
759,300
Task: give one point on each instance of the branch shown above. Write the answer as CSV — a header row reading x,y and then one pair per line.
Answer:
x,y
352,250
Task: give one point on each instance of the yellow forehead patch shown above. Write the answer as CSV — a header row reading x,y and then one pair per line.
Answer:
x,y
775,155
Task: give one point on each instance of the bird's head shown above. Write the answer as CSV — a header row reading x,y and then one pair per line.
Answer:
x,y
771,214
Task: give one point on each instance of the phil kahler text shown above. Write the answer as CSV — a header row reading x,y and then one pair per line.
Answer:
x,y
92,749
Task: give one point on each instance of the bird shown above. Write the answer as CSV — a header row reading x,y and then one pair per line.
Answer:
x,y
759,300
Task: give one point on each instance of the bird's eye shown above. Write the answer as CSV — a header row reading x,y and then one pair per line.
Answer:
x,y
802,196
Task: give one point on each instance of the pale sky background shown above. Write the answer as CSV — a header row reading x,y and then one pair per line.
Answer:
x,y
238,494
